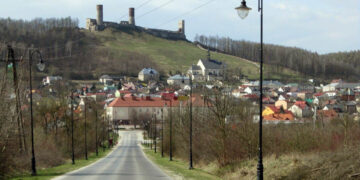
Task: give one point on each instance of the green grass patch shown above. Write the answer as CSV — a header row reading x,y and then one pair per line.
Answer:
x,y
177,55
179,167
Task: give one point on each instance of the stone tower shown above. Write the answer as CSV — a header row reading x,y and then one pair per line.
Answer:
x,y
182,26
99,19
132,16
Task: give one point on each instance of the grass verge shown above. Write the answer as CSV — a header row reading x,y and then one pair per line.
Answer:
x,y
49,173
178,167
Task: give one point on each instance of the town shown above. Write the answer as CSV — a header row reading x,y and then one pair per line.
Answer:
x,y
124,90
123,97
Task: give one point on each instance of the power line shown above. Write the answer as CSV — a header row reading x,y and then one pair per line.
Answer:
x,y
140,6
162,5
143,4
186,13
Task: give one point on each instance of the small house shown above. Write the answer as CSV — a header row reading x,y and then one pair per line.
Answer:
x,y
147,74
178,80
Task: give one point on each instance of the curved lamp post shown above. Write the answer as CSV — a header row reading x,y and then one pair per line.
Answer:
x,y
243,12
72,127
41,67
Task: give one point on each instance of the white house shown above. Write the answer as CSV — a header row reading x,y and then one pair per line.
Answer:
x,y
148,74
281,90
106,79
49,79
249,90
178,80
301,110
207,70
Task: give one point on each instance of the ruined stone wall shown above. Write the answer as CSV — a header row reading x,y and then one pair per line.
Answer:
x,y
98,25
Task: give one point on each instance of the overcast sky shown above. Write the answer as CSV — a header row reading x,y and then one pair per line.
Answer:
x,y
318,25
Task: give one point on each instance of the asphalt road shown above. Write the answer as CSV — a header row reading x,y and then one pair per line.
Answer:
x,y
127,161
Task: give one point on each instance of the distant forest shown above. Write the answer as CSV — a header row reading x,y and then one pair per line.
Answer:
x,y
345,65
54,35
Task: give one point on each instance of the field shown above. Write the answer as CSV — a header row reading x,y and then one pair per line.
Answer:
x,y
168,55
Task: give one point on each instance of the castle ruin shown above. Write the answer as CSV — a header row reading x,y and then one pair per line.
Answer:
x,y
98,25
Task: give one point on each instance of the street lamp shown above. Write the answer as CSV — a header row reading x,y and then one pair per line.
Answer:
x,y
72,127
243,11
41,67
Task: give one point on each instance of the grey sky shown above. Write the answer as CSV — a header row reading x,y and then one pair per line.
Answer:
x,y
317,25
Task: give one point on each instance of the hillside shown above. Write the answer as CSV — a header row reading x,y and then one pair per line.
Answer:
x,y
127,52
80,54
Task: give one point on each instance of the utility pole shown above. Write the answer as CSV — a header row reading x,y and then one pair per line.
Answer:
x,y
86,155
103,137
96,132
18,116
108,122
162,132
190,127
72,129
151,131
171,153
155,132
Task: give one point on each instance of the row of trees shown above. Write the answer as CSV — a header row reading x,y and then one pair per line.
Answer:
x,y
52,119
224,133
341,65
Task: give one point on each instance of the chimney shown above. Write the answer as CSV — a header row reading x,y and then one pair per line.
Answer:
x,y
99,19
132,16
182,26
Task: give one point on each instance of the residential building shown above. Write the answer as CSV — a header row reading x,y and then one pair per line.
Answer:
x,y
207,70
178,80
301,110
147,74
124,110
50,79
106,79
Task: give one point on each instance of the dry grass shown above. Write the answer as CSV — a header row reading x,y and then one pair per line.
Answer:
x,y
325,165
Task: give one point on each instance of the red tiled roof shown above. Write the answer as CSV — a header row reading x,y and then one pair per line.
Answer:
x,y
124,92
280,116
319,94
327,113
98,94
335,80
196,101
139,102
251,96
